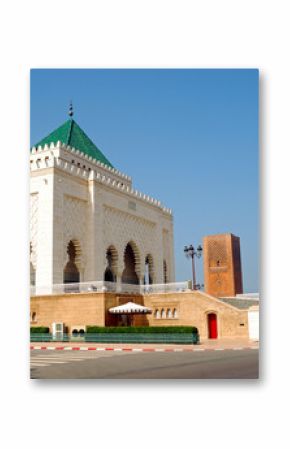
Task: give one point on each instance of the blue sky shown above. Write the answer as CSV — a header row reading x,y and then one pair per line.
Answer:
x,y
187,137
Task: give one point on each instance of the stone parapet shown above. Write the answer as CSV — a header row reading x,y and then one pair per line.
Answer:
x,y
168,309
87,168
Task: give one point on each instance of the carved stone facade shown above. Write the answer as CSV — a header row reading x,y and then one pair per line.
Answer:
x,y
33,227
77,199
222,265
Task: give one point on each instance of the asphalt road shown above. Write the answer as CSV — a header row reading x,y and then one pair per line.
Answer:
x,y
226,364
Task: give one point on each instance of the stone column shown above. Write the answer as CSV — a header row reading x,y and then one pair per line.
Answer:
x,y
142,268
44,271
158,255
119,281
92,231
99,245
120,268
58,225
171,270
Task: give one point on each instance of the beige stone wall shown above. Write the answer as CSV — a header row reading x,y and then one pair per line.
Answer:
x,y
191,308
70,309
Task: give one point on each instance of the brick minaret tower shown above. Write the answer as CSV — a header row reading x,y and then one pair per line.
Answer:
x,y
222,265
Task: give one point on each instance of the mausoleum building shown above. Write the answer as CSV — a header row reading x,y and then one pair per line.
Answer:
x,y
88,222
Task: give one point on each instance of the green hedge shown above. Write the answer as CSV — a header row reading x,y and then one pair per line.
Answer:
x,y
39,330
143,330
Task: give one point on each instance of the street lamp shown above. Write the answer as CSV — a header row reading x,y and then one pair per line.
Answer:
x,y
190,252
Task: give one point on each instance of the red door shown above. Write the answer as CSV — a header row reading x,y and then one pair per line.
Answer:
x,y
212,325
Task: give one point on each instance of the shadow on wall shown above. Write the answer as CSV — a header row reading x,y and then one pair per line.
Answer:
x,y
129,275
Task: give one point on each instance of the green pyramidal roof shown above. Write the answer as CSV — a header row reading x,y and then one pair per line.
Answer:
x,y
71,134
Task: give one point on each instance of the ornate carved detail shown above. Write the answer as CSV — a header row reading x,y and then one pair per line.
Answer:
x,y
217,253
75,226
33,228
121,228
166,244
166,254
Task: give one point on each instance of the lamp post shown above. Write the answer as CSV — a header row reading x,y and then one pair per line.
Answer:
x,y
190,252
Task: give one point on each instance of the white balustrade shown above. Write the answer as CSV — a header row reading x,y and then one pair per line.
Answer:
x,y
104,286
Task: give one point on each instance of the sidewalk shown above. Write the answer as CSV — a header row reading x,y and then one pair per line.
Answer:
x,y
217,345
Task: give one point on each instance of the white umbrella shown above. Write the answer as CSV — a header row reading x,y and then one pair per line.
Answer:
x,y
130,308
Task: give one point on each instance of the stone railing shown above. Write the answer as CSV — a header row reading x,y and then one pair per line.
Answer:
x,y
173,287
109,287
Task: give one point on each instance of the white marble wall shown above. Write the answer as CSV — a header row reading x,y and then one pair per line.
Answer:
x,y
95,207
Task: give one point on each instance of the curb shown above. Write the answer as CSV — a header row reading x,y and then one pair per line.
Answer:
x,y
90,348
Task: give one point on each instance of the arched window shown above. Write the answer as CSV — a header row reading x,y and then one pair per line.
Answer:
x,y
149,270
175,314
157,314
109,275
32,268
32,274
163,314
146,275
129,275
71,273
112,257
33,316
169,313
165,274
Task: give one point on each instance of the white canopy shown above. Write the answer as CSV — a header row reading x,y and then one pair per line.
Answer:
x,y
130,308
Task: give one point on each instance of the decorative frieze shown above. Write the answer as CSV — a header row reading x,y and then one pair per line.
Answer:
x,y
103,174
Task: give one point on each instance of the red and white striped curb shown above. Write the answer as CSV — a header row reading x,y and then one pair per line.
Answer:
x,y
91,348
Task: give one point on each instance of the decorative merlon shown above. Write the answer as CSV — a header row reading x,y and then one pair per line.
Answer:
x,y
51,161
70,149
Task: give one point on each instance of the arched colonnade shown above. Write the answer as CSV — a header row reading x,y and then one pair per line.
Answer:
x,y
130,261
